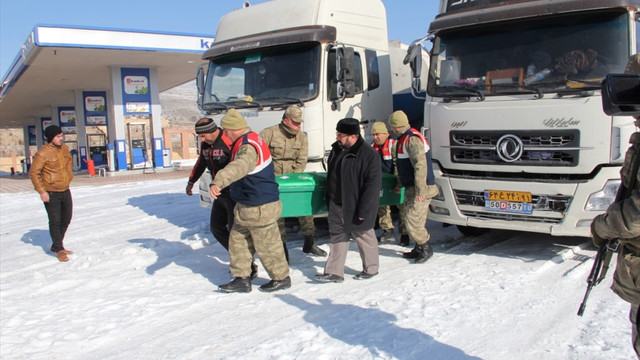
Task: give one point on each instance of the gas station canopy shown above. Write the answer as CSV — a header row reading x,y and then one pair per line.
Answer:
x,y
56,60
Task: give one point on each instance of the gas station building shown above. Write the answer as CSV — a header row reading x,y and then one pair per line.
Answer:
x,y
101,86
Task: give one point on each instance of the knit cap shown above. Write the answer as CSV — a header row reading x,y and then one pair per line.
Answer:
x,y
398,119
205,126
233,120
379,128
294,113
348,126
52,131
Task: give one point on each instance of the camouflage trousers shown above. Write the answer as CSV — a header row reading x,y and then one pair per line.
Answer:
x,y
307,227
255,231
386,221
415,217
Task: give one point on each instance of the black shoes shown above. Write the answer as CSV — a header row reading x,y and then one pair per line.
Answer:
x,y
327,278
310,248
363,276
387,237
275,285
419,254
238,284
404,240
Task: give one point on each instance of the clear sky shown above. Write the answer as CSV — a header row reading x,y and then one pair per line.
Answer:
x,y
407,19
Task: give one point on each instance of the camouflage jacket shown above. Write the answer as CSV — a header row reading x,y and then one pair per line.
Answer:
x,y
289,152
622,221
52,169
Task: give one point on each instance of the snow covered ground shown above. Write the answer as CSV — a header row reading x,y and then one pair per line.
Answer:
x,y
142,285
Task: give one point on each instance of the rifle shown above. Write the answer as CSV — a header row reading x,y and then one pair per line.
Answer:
x,y
607,248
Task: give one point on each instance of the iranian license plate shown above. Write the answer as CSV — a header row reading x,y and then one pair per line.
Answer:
x,y
508,201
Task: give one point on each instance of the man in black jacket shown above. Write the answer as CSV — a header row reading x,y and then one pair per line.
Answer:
x,y
215,153
352,192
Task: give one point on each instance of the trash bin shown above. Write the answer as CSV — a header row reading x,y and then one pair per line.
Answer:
x,y
166,157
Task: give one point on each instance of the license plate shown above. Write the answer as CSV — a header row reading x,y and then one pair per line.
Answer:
x,y
508,201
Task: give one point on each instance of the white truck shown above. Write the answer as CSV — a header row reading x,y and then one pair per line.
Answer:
x,y
330,57
517,133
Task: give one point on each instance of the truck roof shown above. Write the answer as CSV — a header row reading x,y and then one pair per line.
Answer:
x,y
486,11
273,18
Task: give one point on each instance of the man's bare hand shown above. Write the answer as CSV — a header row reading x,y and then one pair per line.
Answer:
x,y
214,191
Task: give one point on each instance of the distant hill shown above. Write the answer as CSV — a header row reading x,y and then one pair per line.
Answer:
x,y
179,108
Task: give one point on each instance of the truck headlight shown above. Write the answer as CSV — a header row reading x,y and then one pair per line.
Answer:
x,y
600,200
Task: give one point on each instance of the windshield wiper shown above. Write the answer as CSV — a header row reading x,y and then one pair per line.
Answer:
x,y
451,92
281,100
247,104
584,88
216,107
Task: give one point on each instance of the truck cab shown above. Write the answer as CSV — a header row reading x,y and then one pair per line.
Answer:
x,y
518,136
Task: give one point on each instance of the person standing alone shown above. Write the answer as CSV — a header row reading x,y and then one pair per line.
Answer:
x,y
51,173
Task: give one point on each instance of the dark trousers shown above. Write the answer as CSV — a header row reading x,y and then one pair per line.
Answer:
x,y
221,219
59,209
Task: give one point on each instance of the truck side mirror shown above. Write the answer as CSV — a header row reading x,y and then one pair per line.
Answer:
x,y
414,59
200,85
621,94
344,70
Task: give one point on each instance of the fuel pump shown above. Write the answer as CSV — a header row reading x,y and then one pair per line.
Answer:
x,y
138,144
97,149
73,150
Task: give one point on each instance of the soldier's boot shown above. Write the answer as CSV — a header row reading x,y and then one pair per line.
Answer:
x,y
387,236
404,240
238,284
275,285
424,253
310,247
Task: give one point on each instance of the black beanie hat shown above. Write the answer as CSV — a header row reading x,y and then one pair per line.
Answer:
x,y
205,126
52,131
348,126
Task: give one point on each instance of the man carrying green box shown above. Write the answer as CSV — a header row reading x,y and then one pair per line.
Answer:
x,y
289,150
386,148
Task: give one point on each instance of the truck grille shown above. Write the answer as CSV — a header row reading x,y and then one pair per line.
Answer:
x,y
547,208
539,148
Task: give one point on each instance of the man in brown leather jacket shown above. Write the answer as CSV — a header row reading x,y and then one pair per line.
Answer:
x,y
622,221
51,174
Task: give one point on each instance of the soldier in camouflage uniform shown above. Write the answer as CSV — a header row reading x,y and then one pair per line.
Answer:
x,y
289,150
386,148
253,185
415,173
622,221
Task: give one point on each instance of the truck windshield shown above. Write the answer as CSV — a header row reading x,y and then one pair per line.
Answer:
x,y
265,77
545,54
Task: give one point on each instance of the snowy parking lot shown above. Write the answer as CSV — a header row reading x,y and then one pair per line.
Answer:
x,y
143,281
